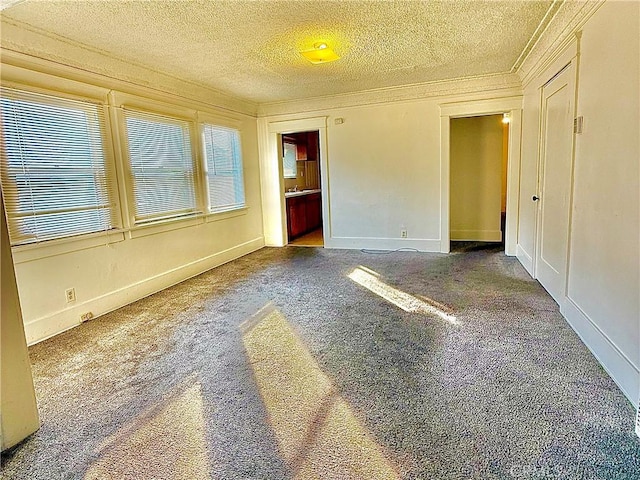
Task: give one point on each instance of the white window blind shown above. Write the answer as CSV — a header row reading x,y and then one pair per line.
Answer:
x,y
289,165
55,180
224,168
162,166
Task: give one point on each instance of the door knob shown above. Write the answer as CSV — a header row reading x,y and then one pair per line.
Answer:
x,y
535,198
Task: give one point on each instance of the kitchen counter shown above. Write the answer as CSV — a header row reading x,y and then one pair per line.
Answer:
x,y
300,193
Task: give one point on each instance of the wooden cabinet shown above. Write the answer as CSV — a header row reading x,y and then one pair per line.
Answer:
x,y
296,216
301,151
312,146
304,214
313,211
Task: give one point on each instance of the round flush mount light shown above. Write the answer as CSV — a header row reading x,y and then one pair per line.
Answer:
x,y
320,53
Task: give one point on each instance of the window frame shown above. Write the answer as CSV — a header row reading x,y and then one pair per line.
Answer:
x,y
113,100
67,90
213,122
138,105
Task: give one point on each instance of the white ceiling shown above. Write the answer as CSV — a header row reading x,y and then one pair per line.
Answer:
x,y
249,49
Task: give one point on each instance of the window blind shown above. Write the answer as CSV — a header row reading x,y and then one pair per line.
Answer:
x,y
223,156
55,181
162,166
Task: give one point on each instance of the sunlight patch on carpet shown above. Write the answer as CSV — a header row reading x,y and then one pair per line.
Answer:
x,y
167,442
318,434
408,303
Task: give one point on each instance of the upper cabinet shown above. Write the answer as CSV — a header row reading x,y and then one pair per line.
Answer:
x,y
301,151
312,146
306,145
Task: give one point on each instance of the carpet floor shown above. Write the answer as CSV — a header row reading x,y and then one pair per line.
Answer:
x,y
303,363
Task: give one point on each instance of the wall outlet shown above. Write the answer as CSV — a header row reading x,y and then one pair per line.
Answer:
x,y
70,295
86,316
403,233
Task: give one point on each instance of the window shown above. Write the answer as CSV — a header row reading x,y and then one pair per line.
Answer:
x,y
223,162
55,180
289,165
162,166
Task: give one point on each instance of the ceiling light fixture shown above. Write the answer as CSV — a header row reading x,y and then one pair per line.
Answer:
x,y
320,53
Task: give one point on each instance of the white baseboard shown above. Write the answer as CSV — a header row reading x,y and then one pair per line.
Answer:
x,y
476,235
525,259
357,243
57,322
619,367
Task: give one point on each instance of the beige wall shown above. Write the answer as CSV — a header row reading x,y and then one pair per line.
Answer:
x,y
604,264
602,301
505,165
18,411
476,159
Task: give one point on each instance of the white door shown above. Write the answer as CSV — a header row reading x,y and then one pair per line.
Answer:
x,y
555,180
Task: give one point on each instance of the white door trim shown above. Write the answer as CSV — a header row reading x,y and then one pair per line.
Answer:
x,y
510,105
272,180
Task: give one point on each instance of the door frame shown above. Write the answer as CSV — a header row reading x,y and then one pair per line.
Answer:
x,y
513,107
272,180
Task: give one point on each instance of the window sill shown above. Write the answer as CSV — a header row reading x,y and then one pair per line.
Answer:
x,y
161,226
167,225
225,214
60,246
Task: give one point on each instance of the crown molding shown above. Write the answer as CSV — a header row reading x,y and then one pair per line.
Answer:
x,y
506,84
29,47
559,32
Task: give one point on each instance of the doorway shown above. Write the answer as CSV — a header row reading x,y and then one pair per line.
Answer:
x,y
300,155
478,178
270,134
512,107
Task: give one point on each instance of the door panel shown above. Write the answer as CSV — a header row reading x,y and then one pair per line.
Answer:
x,y
556,166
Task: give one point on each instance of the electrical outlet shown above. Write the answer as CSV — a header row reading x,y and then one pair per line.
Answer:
x,y
86,316
403,233
70,295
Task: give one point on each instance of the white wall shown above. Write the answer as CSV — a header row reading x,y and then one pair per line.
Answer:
x,y
476,178
384,170
109,272
602,301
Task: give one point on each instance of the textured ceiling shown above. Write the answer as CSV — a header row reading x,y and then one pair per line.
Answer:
x,y
249,49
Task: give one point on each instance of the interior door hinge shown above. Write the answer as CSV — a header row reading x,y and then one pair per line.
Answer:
x,y
578,123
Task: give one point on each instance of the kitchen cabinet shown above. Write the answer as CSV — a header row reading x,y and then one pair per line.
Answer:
x,y
301,151
304,214
312,146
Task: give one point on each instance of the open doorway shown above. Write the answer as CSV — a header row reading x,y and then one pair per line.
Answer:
x,y
478,180
511,108
300,154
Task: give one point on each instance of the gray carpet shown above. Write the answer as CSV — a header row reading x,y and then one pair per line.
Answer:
x,y
300,363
